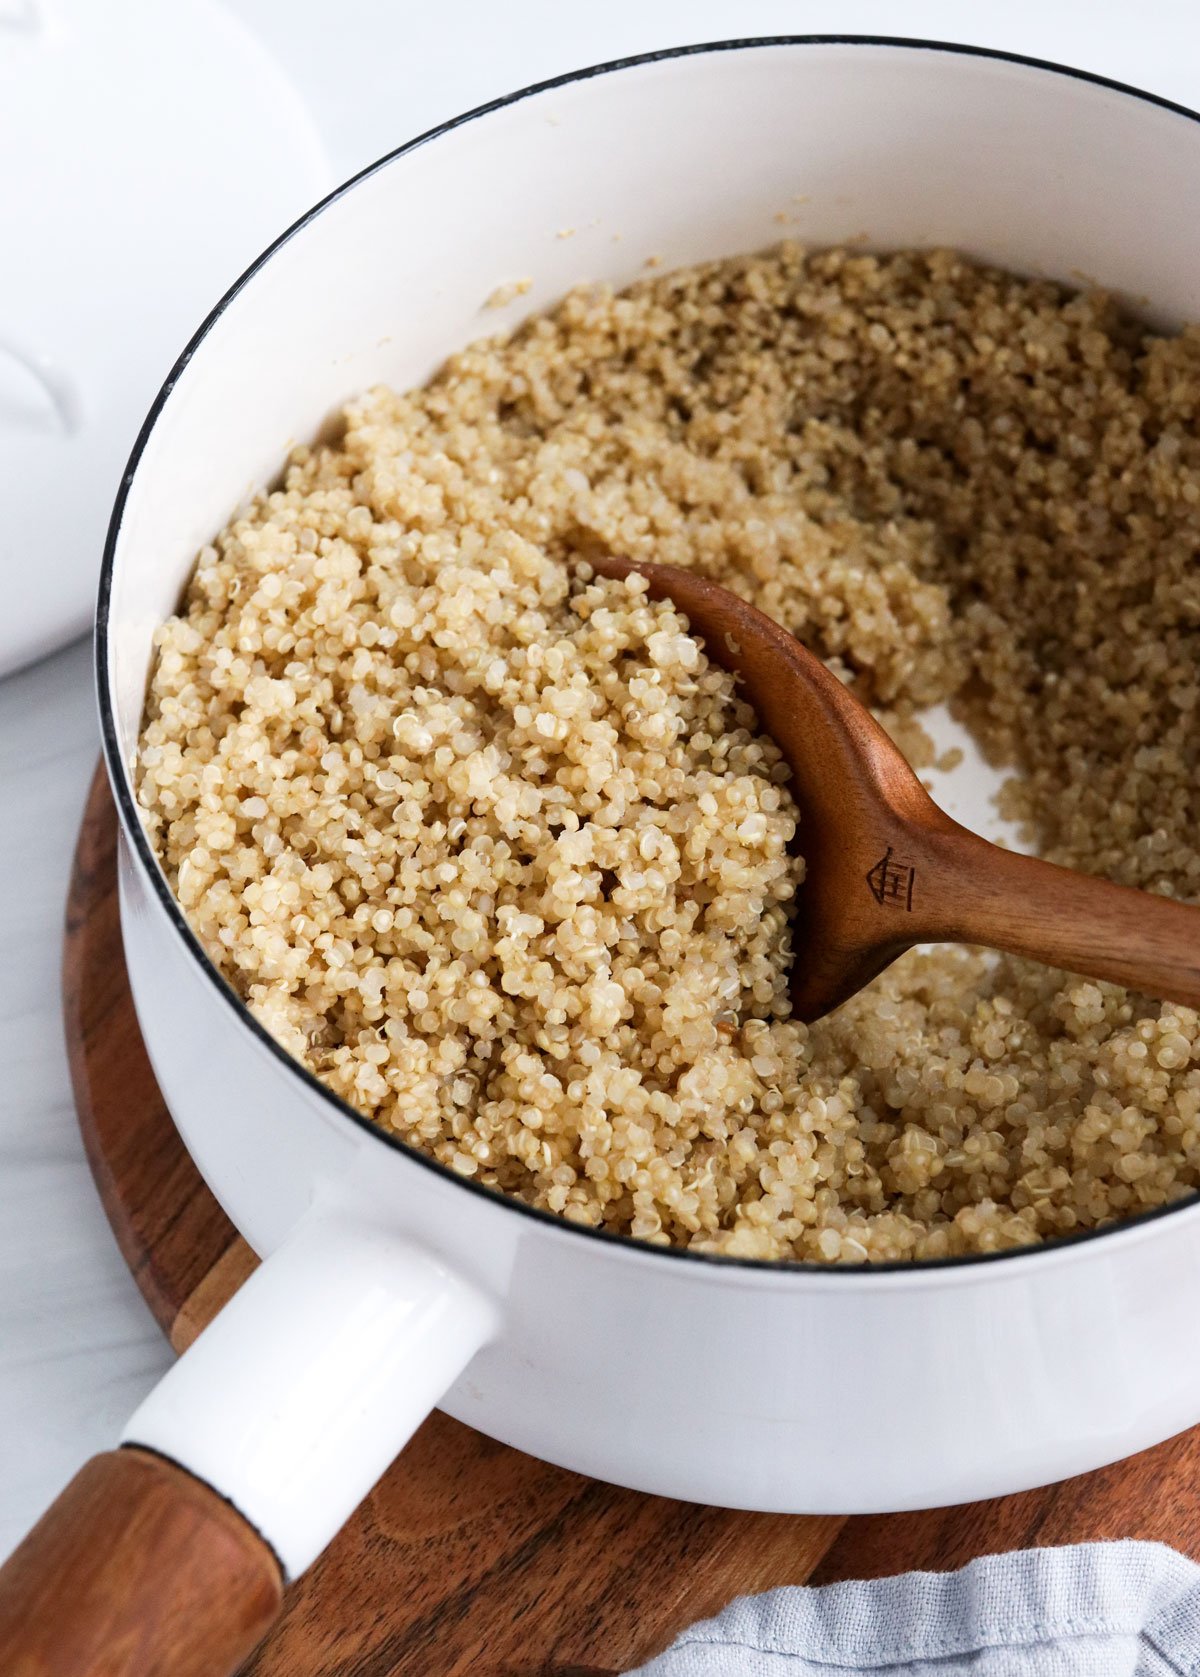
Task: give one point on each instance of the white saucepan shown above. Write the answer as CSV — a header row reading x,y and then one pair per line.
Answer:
x,y
391,1285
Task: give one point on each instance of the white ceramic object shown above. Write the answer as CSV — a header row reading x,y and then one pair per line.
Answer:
x,y
387,1278
150,150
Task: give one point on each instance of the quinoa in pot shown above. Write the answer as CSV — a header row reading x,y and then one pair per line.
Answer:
x,y
488,844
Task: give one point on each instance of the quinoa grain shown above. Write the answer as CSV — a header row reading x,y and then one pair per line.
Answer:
x,y
491,847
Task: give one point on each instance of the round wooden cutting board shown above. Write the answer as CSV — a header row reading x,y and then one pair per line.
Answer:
x,y
469,1557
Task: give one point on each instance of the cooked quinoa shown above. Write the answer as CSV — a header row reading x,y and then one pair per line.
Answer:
x,y
493,849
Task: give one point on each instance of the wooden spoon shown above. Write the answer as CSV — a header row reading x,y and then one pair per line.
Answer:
x,y
885,867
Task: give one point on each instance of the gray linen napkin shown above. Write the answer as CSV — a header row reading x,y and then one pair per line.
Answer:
x,y
1091,1610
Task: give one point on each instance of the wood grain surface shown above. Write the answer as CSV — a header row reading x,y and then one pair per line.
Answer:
x,y
469,1557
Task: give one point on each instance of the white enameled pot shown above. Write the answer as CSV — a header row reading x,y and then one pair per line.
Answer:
x,y
389,1284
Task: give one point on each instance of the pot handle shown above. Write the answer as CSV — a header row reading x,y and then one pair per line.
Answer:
x,y
137,1567
170,1555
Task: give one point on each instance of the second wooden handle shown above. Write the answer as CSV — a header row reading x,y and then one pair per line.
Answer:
x,y
977,893
138,1570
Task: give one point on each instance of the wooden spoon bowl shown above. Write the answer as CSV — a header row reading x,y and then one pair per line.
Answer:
x,y
885,867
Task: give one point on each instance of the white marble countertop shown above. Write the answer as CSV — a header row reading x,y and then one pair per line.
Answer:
x,y
77,1346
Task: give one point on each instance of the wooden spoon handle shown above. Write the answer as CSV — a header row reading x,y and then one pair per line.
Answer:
x,y
138,1570
969,891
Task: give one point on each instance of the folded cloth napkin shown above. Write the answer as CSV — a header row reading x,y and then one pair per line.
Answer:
x,y
1091,1610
